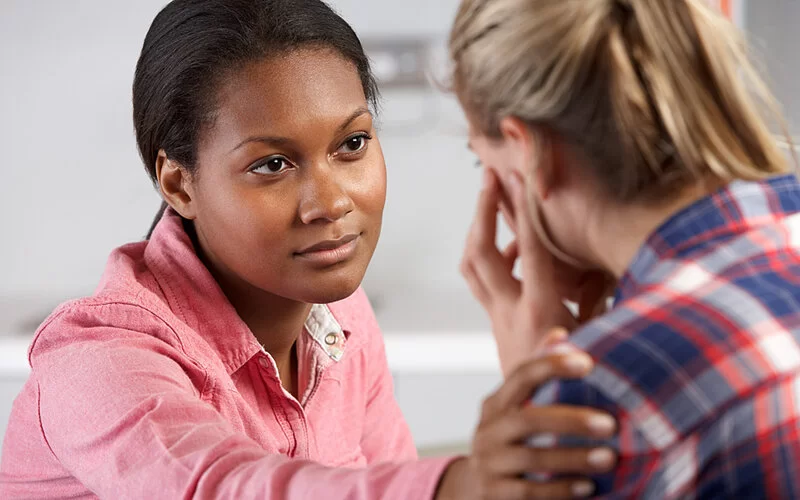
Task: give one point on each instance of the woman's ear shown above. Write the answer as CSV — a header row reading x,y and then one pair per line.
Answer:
x,y
175,184
526,149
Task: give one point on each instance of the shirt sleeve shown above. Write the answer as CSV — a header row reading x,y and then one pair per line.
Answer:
x,y
386,435
121,412
636,460
724,457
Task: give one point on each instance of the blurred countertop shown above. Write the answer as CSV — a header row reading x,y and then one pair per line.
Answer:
x,y
436,332
407,352
424,332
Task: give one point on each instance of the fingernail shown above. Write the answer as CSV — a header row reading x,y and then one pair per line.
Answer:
x,y
562,348
601,459
602,425
583,489
557,334
579,363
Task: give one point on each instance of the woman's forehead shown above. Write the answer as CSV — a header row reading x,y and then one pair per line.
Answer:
x,y
293,91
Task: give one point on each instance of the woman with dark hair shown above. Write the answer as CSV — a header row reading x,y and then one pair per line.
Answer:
x,y
232,353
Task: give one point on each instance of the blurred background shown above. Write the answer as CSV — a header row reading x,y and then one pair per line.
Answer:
x,y
73,187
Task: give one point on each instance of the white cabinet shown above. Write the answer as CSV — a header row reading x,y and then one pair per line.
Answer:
x,y
9,388
442,410
441,379
13,372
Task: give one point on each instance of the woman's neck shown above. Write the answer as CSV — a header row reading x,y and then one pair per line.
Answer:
x,y
620,231
276,322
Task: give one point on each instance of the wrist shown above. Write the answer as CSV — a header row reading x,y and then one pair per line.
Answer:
x,y
453,483
513,356
514,351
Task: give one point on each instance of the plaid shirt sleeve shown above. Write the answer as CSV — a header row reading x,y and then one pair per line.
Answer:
x,y
746,448
636,461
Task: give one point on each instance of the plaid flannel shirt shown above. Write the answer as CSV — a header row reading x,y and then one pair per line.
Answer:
x,y
699,360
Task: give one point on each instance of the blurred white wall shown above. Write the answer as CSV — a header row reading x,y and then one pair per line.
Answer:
x,y
72,186
773,26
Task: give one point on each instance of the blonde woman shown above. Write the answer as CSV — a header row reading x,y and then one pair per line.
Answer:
x,y
627,138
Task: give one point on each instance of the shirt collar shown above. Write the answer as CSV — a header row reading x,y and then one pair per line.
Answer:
x,y
732,210
322,326
195,297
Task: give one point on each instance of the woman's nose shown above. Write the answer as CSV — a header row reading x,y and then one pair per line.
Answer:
x,y
323,196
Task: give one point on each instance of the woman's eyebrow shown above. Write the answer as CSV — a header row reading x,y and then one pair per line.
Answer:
x,y
268,140
285,141
352,117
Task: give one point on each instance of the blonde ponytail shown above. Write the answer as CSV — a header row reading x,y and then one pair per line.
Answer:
x,y
658,93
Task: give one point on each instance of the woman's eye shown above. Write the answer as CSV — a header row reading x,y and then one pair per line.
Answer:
x,y
273,165
354,144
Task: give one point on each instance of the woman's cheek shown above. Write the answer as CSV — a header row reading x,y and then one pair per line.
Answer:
x,y
369,189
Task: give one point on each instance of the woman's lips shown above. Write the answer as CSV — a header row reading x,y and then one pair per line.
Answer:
x,y
330,252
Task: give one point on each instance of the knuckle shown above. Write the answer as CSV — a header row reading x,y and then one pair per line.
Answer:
x,y
469,251
537,490
483,491
473,241
465,268
476,228
537,460
537,369
555,490
520,490
488,405
532,422
555,361
473,238
518,423
478,447
476,251
519,373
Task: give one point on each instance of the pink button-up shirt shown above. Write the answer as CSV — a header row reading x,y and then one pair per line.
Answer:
x,y
155,388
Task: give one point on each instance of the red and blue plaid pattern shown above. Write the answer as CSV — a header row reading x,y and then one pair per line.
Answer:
x,y
699,360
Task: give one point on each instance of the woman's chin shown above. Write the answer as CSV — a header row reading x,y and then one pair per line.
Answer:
x,y
329,289
329,296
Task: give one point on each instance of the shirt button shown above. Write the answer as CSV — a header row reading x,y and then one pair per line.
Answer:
x,y
331,339
264,362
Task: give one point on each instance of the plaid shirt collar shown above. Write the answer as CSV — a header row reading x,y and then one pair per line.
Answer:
x,y
726,213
